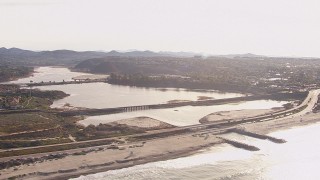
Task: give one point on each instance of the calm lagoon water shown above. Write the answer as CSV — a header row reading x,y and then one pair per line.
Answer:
x,y
46,74
182,116
299,158
104,95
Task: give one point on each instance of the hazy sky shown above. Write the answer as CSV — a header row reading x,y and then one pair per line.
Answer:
x,y
269,27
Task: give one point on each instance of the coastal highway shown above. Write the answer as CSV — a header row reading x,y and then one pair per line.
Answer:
x,y
215,127
310,102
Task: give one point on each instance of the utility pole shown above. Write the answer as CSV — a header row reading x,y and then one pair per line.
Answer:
x,y
30,89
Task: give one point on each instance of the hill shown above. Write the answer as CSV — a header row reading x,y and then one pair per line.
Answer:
x,y
16,56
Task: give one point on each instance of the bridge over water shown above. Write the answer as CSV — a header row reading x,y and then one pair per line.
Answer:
x,y
50,83
173,105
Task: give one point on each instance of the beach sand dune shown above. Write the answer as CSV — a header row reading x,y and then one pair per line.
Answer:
x,y
236,115
144,122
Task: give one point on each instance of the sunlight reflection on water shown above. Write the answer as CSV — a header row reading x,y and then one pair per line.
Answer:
x,y
297,159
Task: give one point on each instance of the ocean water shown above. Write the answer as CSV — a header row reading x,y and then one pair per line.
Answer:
x,y
298,159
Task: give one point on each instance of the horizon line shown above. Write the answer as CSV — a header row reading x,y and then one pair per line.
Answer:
x,y
205,54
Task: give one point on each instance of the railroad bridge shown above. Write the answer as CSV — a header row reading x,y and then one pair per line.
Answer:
x,y
50,83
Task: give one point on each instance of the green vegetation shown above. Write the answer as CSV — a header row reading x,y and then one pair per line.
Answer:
x,y
44,126
190,83
34,129
106,130
22,128
56,148
12,97
17,144
54,132
253,75
8,73
21,122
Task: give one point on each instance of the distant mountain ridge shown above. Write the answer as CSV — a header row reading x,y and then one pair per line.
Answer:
x,y
70,57
57,57
65,54
137,53
247,55
134,54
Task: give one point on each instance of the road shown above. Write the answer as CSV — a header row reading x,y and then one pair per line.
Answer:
x,y
310,101
215,127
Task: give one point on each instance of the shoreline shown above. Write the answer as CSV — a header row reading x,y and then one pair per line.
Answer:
x,y
137,152
162,88
195,150
183,148
151,151
186,88
9,81
144,160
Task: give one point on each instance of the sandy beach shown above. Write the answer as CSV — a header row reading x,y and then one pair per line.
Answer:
x,y
124,156
140,152
236,115
144,122
134,152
